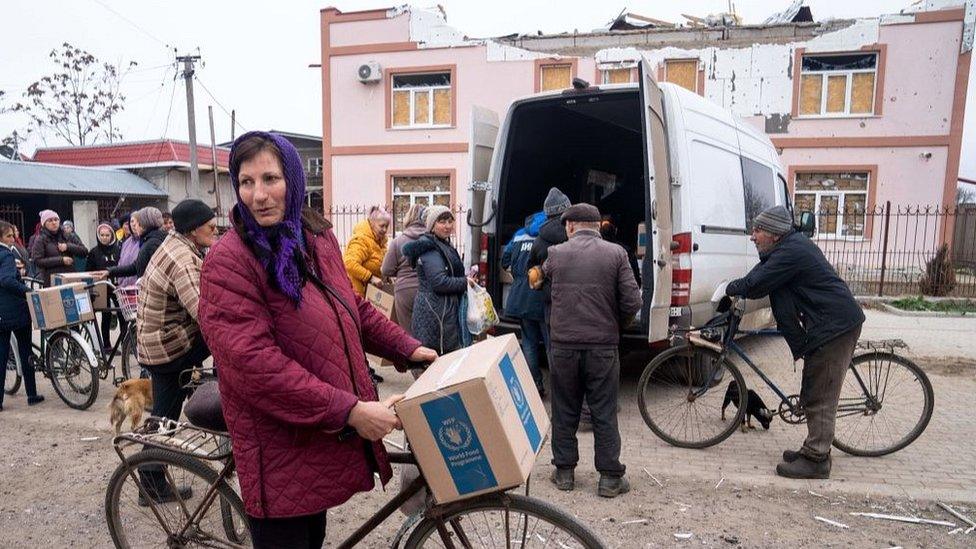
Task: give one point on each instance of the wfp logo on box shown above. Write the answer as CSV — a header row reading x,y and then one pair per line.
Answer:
x,y
517,395
454,435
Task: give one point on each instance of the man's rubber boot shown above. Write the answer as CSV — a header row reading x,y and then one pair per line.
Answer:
x,y
611,487
789,456
805,468
166,496
564,479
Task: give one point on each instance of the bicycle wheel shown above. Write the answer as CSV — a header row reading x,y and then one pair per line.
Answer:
x,y
892,414
504,520
130,362
74,377
12,382
220,522
681,397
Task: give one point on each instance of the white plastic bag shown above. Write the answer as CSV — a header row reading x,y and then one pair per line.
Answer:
x,y
481,311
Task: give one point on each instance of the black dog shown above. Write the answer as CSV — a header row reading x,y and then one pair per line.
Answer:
x,y
755,407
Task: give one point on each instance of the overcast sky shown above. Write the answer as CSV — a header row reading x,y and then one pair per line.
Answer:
x,y
256,53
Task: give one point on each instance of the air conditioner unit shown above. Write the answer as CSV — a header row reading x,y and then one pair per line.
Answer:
x,y
370,72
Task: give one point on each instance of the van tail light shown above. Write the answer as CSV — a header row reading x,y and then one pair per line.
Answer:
x,y
681,270
483,262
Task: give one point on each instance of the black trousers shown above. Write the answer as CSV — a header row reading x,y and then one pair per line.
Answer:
x,y
592,375
24,351
306,532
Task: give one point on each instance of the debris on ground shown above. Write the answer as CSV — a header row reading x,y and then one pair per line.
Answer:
x,y
911,520
831,522
653,477
684,536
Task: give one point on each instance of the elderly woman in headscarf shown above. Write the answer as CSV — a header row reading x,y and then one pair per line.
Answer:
x,y
129,247
103,255
397,266
147,223
288,333
442,284
364,252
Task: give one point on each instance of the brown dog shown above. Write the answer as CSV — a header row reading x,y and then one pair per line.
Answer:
x,y
132,398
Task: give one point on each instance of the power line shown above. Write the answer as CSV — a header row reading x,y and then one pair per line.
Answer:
x,y
222,107
133,23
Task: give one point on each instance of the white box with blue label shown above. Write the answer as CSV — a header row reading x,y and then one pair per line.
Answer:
x,y
59,306
475,420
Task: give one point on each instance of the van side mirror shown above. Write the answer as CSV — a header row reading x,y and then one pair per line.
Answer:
x,y
808,223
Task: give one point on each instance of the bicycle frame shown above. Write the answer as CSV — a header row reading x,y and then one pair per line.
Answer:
x,y
729,344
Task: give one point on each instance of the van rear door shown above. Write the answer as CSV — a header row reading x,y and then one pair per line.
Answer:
x,y
484,132
657,261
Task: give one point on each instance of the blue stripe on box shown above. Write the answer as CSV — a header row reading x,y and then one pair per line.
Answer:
x,y
521,403
38,311
459,444
70,307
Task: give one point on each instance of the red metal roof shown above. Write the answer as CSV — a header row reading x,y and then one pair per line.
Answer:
x,y
143,153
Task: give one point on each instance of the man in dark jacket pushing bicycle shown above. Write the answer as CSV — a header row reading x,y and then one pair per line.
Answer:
x,y
821,321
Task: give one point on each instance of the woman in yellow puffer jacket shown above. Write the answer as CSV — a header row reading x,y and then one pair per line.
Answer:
x,y
364,252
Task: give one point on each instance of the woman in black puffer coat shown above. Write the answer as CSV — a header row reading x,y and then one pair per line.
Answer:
x,y
52,252
104,255
442,284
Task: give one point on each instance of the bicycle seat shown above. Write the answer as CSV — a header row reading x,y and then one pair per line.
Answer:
x,y
204,410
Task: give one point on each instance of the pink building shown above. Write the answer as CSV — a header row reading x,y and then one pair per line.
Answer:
x,y
862,111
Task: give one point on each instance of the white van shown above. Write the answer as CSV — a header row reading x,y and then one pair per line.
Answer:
x,y
687,169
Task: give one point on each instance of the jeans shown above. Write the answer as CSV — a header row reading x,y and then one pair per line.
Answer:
x,y
823,378
288,533
534,333
593,375
23,336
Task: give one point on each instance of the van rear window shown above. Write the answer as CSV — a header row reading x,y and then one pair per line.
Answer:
x,y
759,189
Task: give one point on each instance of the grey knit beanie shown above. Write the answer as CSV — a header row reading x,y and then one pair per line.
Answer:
x,y
431,215
556,203
776,220
149,218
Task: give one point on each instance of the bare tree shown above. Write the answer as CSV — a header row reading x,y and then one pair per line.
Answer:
x,y
966,194
78,101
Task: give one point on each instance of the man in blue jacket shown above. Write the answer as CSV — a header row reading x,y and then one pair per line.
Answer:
x,y
523,302
821,321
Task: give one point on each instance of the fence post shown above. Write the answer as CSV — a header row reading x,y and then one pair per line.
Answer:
x,y
884,247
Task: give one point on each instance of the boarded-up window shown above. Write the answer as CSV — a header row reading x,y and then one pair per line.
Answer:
x,y
422,100
616,76
425,190
838,199
682,72
838,85
555,77
811,93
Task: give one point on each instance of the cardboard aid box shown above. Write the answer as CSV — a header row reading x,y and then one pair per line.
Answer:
x,y
383,301
99,294
475,420
59,306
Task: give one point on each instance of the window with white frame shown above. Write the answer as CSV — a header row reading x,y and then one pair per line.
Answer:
x,y
421,100
839,200
314,166
424,190
838,84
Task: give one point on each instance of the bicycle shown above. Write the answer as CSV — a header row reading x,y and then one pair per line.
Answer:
x,y
213,514
73,358
885,404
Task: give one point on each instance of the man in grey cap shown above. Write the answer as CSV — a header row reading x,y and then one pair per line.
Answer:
x,y
594,293
820,320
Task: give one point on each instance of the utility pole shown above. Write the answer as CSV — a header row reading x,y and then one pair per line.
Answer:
x,y
213,158
188,61
232,122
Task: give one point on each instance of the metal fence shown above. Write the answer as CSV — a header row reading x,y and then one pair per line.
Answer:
x,y
345,217
893,250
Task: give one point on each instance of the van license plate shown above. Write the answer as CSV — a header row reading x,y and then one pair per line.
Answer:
x,y
675,311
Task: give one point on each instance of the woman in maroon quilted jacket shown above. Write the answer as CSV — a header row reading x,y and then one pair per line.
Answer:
x,y
287,334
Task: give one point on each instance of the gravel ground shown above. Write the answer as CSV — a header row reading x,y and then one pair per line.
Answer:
x,y
52,486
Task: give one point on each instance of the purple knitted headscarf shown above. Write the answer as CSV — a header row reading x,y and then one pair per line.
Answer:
x,y
281,247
